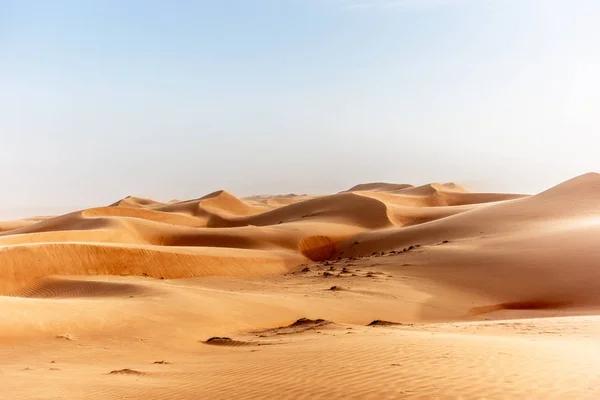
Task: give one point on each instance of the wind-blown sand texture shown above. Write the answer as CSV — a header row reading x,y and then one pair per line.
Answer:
x,y
406,292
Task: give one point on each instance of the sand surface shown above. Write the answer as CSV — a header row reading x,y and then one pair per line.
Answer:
x,y
381,291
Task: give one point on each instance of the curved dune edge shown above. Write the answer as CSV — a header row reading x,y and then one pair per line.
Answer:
x,y
317,248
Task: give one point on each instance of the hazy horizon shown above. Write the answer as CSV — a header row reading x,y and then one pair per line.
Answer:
x,y
100,100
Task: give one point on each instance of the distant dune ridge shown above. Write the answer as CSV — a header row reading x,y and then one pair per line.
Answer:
x,y
282,231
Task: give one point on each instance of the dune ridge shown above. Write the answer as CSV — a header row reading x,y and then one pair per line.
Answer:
x,y
366,218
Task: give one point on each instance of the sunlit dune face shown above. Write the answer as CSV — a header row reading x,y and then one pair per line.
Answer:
x,y
583,222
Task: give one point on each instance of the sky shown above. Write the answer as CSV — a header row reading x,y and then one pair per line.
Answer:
x,y
101,99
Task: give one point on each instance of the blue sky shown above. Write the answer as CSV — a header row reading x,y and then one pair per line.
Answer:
x,y
102,99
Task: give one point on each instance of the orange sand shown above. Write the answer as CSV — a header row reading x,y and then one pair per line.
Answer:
x,y
496,295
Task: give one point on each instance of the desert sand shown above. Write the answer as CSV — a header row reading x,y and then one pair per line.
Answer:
x,y
382,291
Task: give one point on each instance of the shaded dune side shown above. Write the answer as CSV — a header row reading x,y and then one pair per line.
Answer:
x,y
278,237
139,231
250,237
344,208
24,264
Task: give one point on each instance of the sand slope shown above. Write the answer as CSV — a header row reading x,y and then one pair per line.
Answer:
x,y
120,301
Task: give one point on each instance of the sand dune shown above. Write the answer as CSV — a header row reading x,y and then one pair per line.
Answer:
x,y
219,203
369,218
153,281
561,206
345,208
